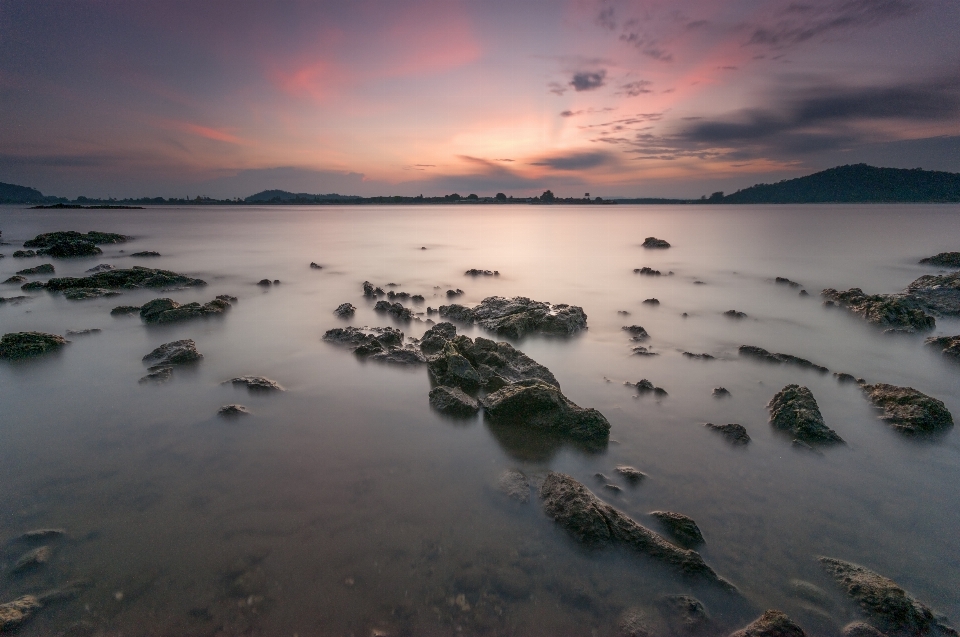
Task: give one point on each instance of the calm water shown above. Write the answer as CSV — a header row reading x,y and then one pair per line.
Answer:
x,y
345,506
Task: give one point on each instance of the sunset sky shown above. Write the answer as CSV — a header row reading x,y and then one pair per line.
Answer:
x,y
615,98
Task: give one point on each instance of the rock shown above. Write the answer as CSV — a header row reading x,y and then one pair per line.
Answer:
x,y
383,344
174,353
733,432
595,524
644,386
897,311
14,613
264,283
514,484
146,253
938,293
721,392
158,375
860,629
233,411
520,316
680,527
539,405
636,331
623,312
16,279
397,295
630,474
42,534
45,268
32,559
894,610
417,298
643,351
24,254
17,345
811,593
653,242
475,272
86,332
80,294
646,271
794,409
370,291
651,301
125,309
772,623
169,311
103,267
227,298
33,285
948,345
633,623
735,314
804,293
785,281
50,238
759,353
453,293
843,377
314,266
700,357
470,364
345,310
908,410
135,277
685,615
612,487
944,260
15,300
256,384
452,401
394,309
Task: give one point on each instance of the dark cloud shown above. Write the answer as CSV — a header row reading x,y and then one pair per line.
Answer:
x,y
588,80
633,89
556,88
800,22
580,160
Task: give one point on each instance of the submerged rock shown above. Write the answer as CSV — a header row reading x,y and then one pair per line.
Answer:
x,y
539,405
898,311
653,242
81,294
515,485
643,351
594,523
939,293
157,375
233,411
646,271
44,268
794,409
944,260
772,623
785,281
32,559
146,253
125,309
680,527
174,353
169,311
16,279
908,410
860,629
476,272
394,309
15,300
633,623
636,331
685,615
42,534
759,353
721,392
733,432
14,613
735,314
345,310
256,383
453,293
644,386
458,361
27,344
24,254
948,345
453,401
50,238
892,608
103,267
135,277
520,316
631,474
700,357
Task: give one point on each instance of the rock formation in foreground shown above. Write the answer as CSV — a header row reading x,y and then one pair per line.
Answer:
x,y
908,410
28,344
895,311
519,316
794,409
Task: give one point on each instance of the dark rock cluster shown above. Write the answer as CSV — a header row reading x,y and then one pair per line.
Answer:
x,y
519,316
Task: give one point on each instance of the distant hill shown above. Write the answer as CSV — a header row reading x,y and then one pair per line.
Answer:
x,y
858,183
283,196
10,193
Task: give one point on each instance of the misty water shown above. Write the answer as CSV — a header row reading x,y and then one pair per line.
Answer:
x,y
346,506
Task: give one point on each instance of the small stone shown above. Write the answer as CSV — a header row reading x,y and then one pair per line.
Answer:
x,y
16,279
160,375
315,266
612,487
103,267
146,253
125,309
264,282
636,331
700,357
233,411
653,242
174,353
733,432
721,392
651,301
680,527
734,314
772,623
256,383
631,474
86,332
42,534
345,310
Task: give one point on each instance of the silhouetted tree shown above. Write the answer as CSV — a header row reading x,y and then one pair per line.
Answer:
x,y
717,196
472,196
500,197
547,196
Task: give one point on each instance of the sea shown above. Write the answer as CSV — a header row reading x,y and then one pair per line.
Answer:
x,y
345,505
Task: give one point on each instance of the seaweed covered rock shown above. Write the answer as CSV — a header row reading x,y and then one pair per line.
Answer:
x,y
169,311
453,401
594,523
908,410
896,311
519,316
28,344
894,610
943,260
941,293
538,405
680,527
174,353
459,361
135,277
794,409
653,242
759,353
773,623
45,268
948,345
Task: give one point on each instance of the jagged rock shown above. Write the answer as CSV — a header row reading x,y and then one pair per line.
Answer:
x,y
843,377
135,277
383,344
653,242
398,356
785,281
103,267
32,559
27,344
939,293
394,309
898,311
644,386
233,411
453,293
908,410
948,345
700,357
436,337
733,432
370,291
315,266
595,524
264,283
539,405
476,272
14,613
685,615
16,279
157,375
470,364
680,527
256,383
944,260
721,392
345,310
169,311
759,353
772,623
50,238
520,316
44,268
646,271
125,309
514,484
174,353
651,301
226,297
860,629
794,409
42,534
630,474
895,611
80,294
452,401
735,314
637,332
24,254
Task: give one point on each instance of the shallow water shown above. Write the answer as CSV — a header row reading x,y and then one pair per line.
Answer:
x,y
346,506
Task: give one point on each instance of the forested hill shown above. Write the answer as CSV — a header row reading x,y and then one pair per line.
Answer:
x,y
858,183
10,193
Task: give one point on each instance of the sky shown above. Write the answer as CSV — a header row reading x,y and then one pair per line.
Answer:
x,y
618,98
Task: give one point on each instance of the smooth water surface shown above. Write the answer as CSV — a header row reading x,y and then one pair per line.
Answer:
x,y
345,506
